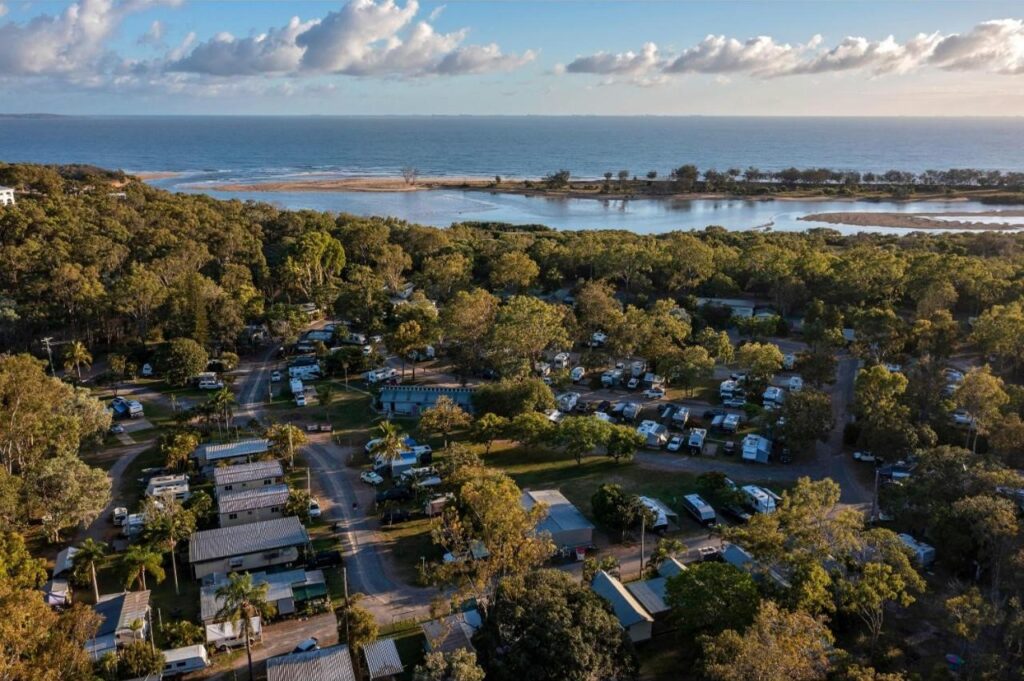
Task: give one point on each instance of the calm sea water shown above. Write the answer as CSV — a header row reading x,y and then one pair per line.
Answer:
x,y
210,150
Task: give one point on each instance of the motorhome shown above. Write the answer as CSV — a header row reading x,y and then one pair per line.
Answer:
x,y
208,380
773,397
788,361
561,361
924,554
296,386
655,433
631,410
756,448
567,401
638,368
611,378
696,441
731,422
680,417
306,372
699,509
598,339
759,499
796,383
378,375
169,485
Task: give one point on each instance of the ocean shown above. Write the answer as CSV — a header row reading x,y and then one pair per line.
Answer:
x,y
207,150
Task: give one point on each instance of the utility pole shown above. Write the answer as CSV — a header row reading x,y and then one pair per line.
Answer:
x,y
875,498
344,576
309,487
643,532
49,353
291,447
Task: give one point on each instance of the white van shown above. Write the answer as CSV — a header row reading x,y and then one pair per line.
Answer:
x,y
577,374
699,509
184,660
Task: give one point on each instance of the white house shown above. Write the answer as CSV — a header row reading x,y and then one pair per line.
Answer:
x,y
252,505
124,619
241,451
6,196
253,546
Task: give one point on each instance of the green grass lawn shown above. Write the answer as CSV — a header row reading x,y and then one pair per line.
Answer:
x,y
409,542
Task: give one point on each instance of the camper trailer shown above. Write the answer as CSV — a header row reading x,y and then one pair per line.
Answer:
x,y
699,509
759,499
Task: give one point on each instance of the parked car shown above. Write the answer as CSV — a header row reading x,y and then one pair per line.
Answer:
x,y
604,406
633,383
371,478
116,429
735,512
311,643
865,456
314,508
735,402
729,447
710,414
147,370
675,444
654,393
324,559
962,417
275,376
394,494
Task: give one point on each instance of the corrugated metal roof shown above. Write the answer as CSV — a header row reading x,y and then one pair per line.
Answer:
x,y
246,472
229,450
451,633
280,585
382,658
671,568
426,394
627,609
562,515
326,664
651,594
239,540
252,499
121,611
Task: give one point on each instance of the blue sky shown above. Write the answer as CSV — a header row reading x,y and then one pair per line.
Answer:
x,y
522,57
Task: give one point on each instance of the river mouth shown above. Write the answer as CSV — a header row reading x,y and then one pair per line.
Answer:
x,y
443,207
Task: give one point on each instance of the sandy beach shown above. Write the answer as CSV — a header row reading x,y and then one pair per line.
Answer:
x,y
923,221
579,189
155,175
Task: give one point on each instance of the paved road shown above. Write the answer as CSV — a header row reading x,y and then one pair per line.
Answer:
x,y
280,638
370,566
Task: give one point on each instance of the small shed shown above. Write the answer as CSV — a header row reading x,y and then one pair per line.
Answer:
x,y
382,660
564,522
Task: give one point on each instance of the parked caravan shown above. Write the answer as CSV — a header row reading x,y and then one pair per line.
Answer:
x,y
699,509
759,499
184,660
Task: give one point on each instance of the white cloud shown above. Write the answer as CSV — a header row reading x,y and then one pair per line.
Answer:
x,y
363,38
760,56
224,55
621,64
379,38
154,36
992,46
996,46
3,9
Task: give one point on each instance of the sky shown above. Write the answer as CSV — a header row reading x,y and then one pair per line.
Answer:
x,y
331,57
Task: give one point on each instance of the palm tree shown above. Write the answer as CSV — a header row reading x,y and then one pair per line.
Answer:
x,y
222,403
390,442
324,393
242,600
167,523
88,554
137,561
75,355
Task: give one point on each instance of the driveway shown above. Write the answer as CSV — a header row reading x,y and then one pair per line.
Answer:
x,y
279,638
102,529
370,568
